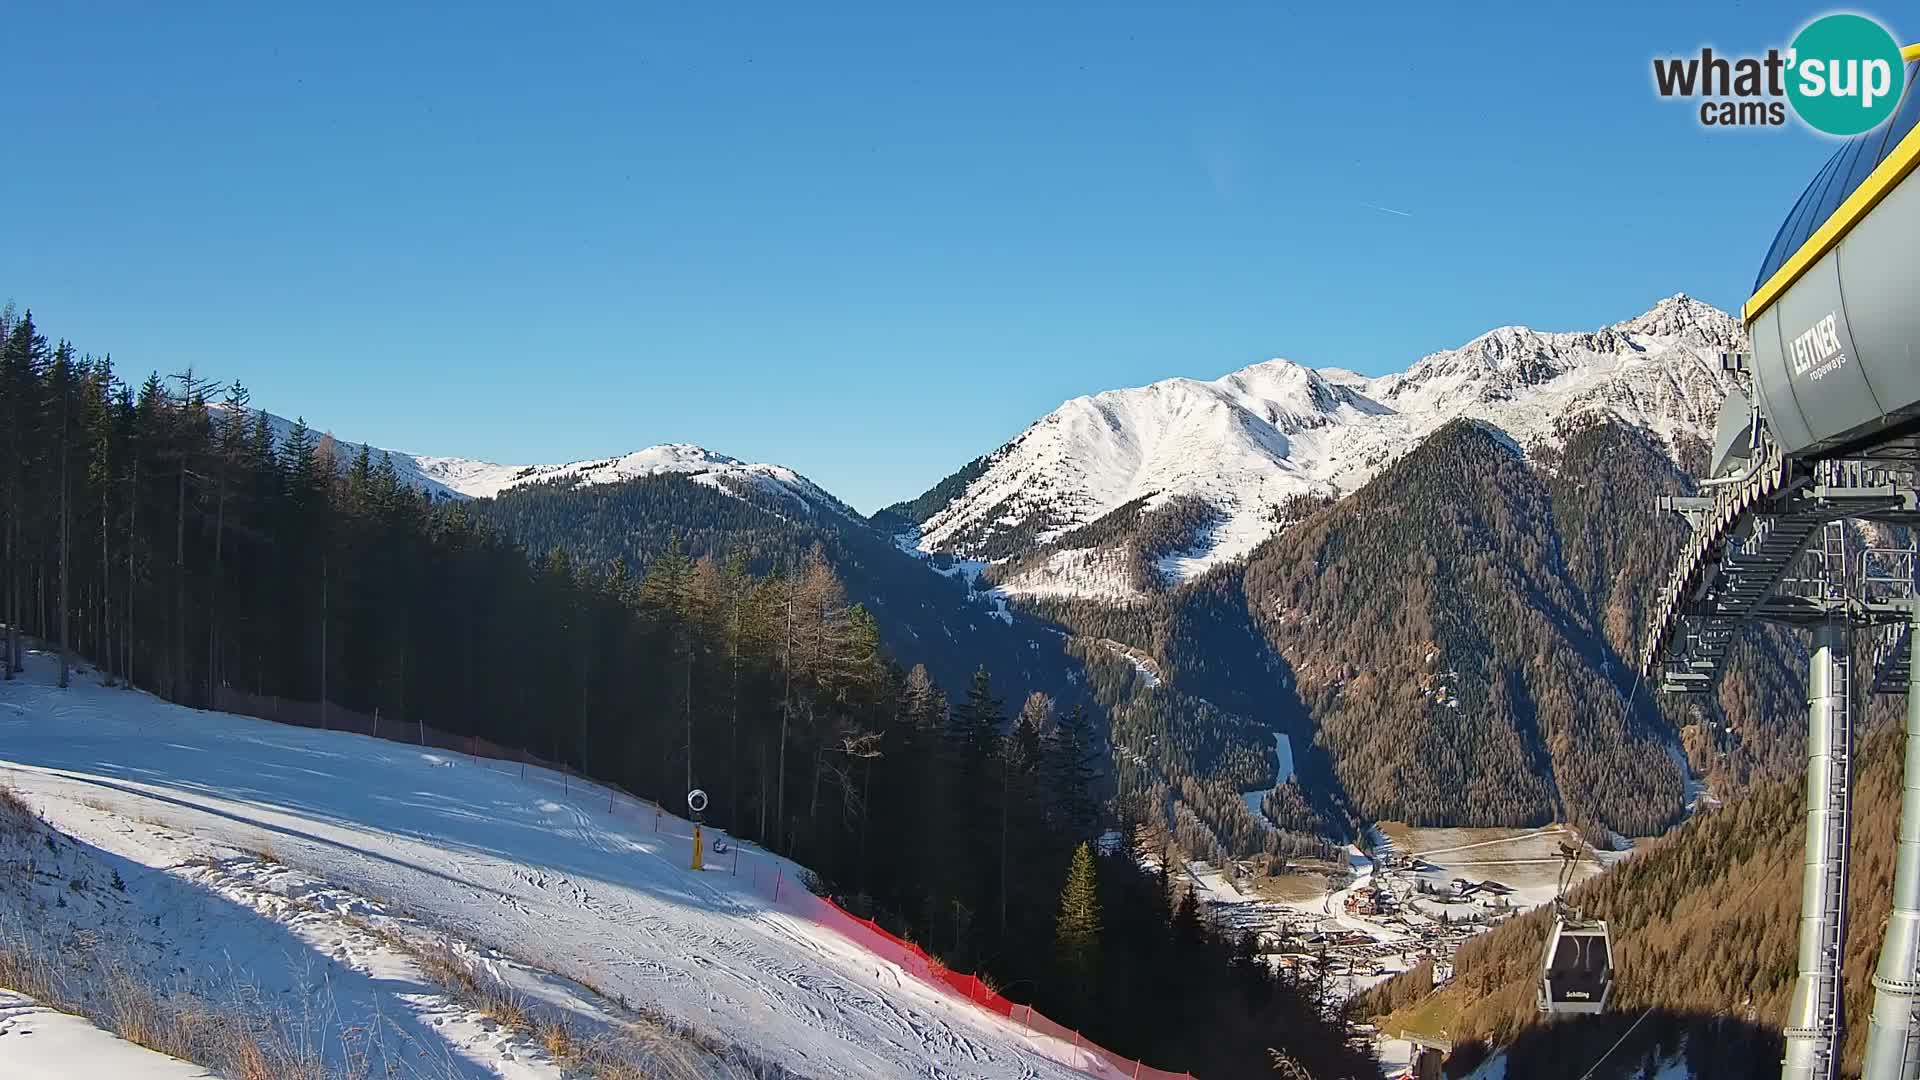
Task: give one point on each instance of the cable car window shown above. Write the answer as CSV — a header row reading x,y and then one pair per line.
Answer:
x,y
1907,115
1580,955
1873,148
1837,189
1773,259
1875,145
1791,236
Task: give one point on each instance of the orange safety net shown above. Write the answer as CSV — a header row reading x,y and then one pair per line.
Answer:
x,y
1092,1059
964,985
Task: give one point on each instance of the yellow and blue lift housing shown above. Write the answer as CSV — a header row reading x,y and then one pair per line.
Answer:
x,y
1835,314
1832,436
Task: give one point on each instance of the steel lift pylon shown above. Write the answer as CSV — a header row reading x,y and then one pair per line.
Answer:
x,y
1771,544
1893,1034
1825,428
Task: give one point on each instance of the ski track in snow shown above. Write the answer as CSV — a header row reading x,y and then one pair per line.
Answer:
x,y
548,878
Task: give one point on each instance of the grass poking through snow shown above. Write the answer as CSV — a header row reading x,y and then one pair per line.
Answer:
x,y
647,1047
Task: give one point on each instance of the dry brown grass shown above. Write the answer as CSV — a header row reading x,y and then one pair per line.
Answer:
x,y
230,1029
651,1047
474,987
556,1037
232,1035
31,972
16,817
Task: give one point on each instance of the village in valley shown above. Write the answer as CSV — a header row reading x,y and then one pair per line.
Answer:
x,y
1408,896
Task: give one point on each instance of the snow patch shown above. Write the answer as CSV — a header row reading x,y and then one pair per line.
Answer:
x,y
1086,573
1283,770
967,571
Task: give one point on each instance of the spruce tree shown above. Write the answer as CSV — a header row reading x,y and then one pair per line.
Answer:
x,y
21,417
1072,760
1076,932
969,749
976,723
1189,931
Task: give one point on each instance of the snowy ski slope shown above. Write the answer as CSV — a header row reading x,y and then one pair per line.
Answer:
x,y
547,877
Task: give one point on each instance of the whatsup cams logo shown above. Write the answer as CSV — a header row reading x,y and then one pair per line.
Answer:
x,y
1842,75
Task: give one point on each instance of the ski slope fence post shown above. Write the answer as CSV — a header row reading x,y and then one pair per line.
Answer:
x,y
776,885
376,721
736,861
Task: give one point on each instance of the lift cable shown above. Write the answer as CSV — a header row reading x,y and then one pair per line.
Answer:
x,y
1626,721
1588,1075
1627,717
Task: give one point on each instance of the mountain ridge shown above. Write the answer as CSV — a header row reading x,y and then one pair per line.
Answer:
x,y
1243,445
1249,441
447,477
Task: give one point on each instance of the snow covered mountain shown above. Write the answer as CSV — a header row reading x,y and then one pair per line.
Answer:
x,y
1225,458
481,479
470,478
1247,442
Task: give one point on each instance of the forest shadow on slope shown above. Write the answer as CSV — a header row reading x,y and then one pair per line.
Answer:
x,y
1632,1044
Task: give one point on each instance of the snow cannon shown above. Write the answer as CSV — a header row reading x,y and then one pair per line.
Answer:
x,y
697,802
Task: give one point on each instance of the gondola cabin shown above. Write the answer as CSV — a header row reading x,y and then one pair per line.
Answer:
x,y
1576,972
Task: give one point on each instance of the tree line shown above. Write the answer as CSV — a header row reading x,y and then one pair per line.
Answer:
x,y
170,535
927,618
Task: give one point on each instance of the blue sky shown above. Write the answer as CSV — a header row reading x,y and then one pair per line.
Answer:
x,y
867,241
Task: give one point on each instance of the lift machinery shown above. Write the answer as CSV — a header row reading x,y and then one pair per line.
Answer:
x,y
1829,436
